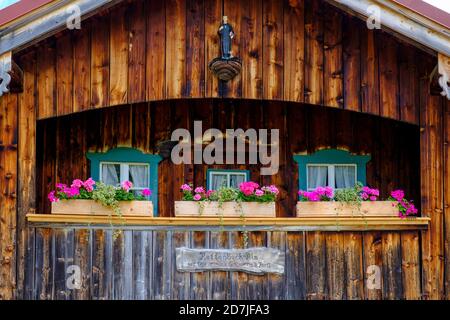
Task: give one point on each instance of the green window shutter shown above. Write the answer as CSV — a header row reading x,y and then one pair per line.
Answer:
x,y
128,155
331,156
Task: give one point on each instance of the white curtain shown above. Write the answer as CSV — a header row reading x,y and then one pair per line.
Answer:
x,y
236,180
345,176
317,176
111,174
139,176
218,181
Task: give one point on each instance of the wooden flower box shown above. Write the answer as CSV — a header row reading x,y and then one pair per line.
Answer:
x,y
333,208
228,209
91,207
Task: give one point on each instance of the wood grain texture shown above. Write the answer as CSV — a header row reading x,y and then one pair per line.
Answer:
x,y
352,65
389,86
333,68
313,52
137,22
431,146
100,62
82,69
119,49
26,177
8,195
64,74
46,80
273,49
251,49
175,48
292,50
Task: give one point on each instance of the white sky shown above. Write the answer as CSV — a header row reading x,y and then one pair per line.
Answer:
x,y
441,4
6,3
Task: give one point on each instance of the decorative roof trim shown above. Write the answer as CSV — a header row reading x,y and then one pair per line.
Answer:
x,y
403,21
45,21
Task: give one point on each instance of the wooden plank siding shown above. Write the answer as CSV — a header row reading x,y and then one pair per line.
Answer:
x,y
302,51
133,56
58,148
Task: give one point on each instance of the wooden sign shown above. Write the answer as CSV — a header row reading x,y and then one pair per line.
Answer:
x,y
252,260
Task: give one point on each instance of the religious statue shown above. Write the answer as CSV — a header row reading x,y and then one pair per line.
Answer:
x,y
225,67
226,34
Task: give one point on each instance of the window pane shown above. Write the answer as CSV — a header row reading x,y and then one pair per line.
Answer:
x,y
317,176
139,176
218,181
110,174
345,176
236,180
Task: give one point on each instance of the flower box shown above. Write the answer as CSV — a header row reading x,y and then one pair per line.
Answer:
x,y
228,209
333,208
91,207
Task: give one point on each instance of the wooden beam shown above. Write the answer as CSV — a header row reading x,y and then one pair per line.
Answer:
x,y
11,76
294,224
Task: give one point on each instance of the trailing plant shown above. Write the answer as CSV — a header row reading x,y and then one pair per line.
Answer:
x,y
350,196
109,196
247,192
405,207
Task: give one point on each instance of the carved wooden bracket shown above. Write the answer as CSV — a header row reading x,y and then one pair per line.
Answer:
x,y
11,76
444,72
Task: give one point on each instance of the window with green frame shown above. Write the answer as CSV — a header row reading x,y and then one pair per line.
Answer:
x,y
331,167
217,178
122,164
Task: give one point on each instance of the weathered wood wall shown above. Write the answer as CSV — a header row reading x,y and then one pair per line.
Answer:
x,y
303,51
140,264
63,143
299,51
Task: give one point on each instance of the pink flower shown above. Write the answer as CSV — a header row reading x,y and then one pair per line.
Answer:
x,y
127,185
313,196
71,192
89,185
51,196
248,188
364,196
146,192
186,187
373,198
199,190
376,192
259,193
398,195
77,183
197,197
273,189
209,193
61,186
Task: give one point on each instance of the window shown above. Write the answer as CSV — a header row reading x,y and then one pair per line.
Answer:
x,y
336,176
122,164
217,179
114,173
335,168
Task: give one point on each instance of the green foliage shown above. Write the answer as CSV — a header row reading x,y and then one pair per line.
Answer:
x,y
349,195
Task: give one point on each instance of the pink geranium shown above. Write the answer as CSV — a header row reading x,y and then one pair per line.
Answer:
x,y
248,188
199,190
52,197
186,187
259,193
89,185
146,192
398,195
197,197
127,185
77,183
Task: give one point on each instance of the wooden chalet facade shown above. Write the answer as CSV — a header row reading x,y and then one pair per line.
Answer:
x,y
137,70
